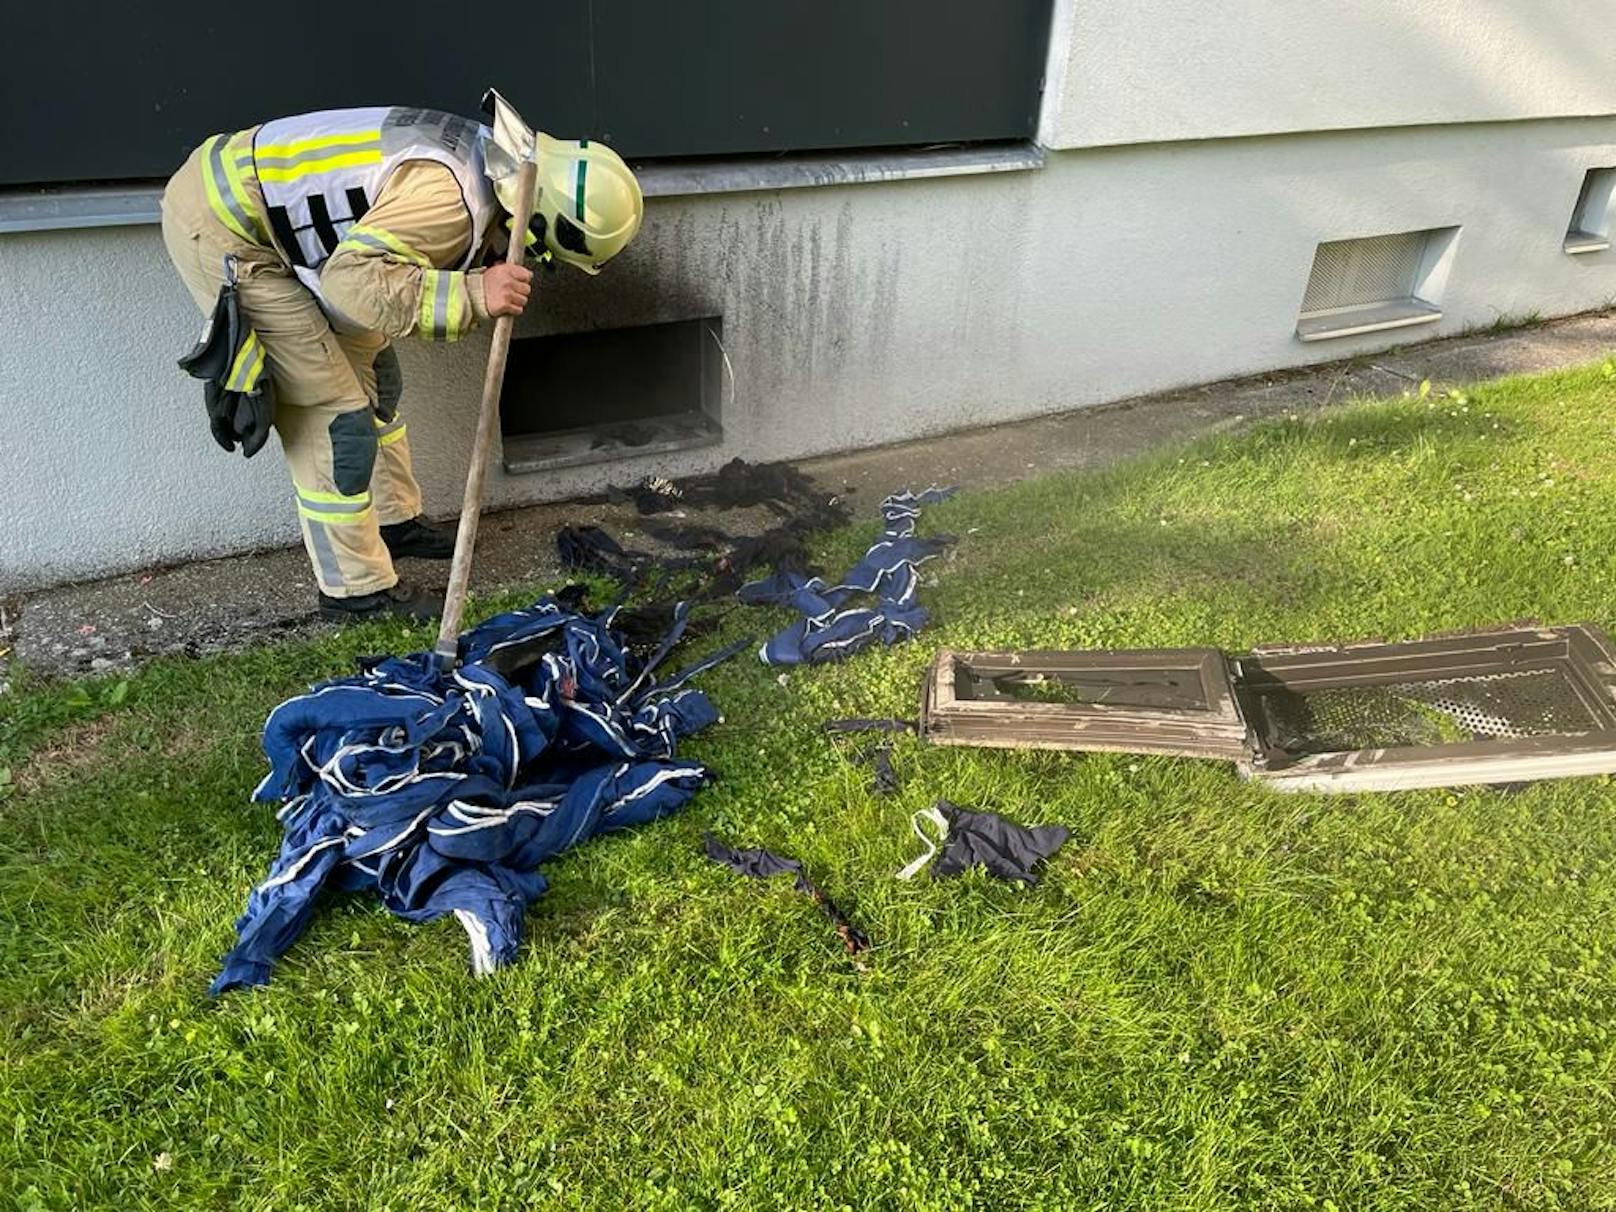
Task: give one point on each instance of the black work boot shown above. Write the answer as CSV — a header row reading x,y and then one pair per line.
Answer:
x,y
418,537
395,603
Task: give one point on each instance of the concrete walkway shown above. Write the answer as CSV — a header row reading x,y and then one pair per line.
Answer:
x,y
221,604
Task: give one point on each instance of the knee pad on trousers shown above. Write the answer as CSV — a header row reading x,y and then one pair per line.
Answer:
x,y
353,451
389,383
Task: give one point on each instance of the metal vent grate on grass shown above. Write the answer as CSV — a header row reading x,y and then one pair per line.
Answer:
x,y
1437,712
1488,707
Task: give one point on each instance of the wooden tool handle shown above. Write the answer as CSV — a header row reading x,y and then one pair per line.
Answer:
x,y
454,599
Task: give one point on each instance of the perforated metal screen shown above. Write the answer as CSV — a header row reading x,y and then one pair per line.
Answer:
x,y
1355,273
1504,706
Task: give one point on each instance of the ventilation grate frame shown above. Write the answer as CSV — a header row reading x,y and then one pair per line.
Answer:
x,y
1589,229
1484,707
1368,283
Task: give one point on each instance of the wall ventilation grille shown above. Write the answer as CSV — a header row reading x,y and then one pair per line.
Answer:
x,y
1590,220
1375,282
1356,273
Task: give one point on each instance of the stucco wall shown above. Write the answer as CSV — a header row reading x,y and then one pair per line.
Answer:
x,y
1188,69
853,315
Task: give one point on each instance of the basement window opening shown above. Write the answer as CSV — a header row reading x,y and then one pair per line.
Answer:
x,y
1589,231
613,393
1376,283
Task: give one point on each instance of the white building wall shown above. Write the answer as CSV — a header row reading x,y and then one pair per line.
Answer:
x,y
853,315
1126,72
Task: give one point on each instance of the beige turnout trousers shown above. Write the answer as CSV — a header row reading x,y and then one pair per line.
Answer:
x,y
350,468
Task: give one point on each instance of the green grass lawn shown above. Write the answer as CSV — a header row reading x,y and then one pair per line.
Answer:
x,y
1219,997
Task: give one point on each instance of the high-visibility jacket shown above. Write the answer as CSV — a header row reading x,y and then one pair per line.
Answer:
x,y
305,184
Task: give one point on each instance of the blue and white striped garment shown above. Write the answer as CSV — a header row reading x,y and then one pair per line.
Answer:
x,y
444,792
832,627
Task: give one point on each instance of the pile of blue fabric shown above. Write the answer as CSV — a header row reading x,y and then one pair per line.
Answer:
x,y
443,792
839,620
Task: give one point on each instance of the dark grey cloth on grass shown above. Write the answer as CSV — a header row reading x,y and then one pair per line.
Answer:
x,y
885,781
983,839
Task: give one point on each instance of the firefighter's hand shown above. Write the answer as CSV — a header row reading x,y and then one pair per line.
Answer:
x,y
506,289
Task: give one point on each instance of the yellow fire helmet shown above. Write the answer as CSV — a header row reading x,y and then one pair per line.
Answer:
x,y
588,204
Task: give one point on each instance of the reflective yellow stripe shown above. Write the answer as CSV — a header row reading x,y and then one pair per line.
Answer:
x,y
445,304
308,168
387,439
215,197
238,189
365,234
249,363
458,298
429,302
334,519
343,510
283,150
529,236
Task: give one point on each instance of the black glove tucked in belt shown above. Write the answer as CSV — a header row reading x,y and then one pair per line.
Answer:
x,y
229,359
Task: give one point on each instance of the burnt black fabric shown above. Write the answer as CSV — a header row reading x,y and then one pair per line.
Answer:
x,y
645,499
720,562
736,485
761,864
739,484
573,596
731,557
803,509
885,780
878,757
986,839
692,536
792,496
591,549
644,627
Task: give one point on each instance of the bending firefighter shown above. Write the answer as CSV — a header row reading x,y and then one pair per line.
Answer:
x,y
313,242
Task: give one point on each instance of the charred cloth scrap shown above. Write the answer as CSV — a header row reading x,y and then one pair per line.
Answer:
x,y
802,508
884,780
591,549
877,753
1486,707
875,602
736,485
443,793
762,864
873,749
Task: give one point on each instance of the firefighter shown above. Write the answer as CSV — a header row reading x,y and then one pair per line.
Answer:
x,y
332,234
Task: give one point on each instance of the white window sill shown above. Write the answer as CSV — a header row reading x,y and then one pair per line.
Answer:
x,y
1577,243
75,206
1372,317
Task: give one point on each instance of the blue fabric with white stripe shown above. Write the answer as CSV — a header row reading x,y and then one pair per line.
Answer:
x,y
443,793
831,626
